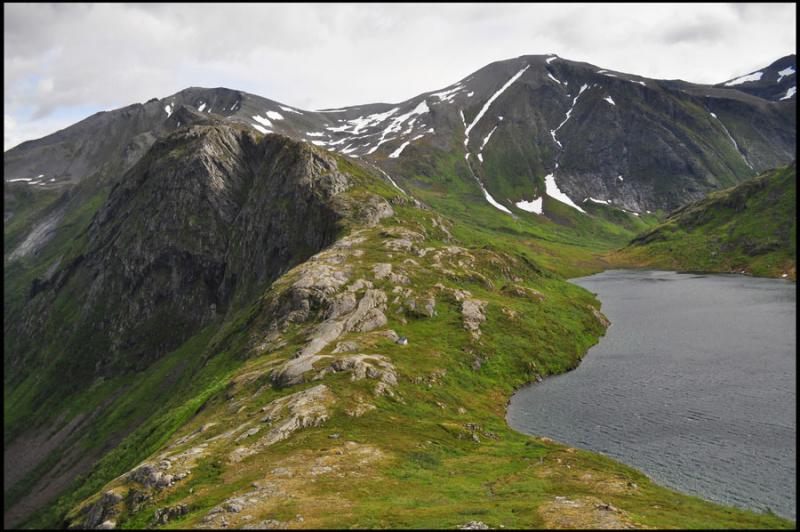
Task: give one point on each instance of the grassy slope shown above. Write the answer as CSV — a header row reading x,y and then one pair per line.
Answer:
x,y
751,227
428,471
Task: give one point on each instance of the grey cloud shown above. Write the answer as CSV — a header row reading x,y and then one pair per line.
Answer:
x,y
701,31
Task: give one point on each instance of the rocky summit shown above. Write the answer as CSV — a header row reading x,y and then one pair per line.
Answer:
x,y
227,312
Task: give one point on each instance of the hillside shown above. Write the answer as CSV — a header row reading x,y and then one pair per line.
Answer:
x,y
203,312
750,228
260,402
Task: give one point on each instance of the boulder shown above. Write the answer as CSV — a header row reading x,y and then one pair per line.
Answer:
x,y
472,312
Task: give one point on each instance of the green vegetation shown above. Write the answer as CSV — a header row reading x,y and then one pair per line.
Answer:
x,y
750,228
434,451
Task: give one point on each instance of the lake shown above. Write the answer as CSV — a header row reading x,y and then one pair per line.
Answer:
x,y
694,384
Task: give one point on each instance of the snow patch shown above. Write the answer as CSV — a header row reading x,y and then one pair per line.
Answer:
x,y
274,115
19,179
470,93
620,178
202,106
733,141
755,76
261,129
491,200
549,75
168,110
485,107
263,121
361,122
396,153
553,134
316,134
786,72
790,93
609,100
487,137
289,110
447,95
601,202
534,206
378,145
397,122
554,192
550,59
569,114
480,158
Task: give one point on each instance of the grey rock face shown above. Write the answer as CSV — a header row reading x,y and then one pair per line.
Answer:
x,y
365,316
308,408
164,515
472,312
98,514
211,215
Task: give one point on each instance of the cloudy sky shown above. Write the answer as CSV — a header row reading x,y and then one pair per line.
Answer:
x,y
64,62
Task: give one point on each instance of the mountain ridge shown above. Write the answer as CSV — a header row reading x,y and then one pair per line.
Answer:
x,y
430,121
205,330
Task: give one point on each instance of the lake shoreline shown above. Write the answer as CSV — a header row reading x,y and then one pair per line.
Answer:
x,y
544,383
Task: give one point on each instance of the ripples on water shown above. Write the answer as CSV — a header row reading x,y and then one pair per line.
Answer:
x,y
694,384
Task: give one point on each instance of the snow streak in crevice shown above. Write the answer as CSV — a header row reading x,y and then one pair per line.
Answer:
x,y
485,107
733,141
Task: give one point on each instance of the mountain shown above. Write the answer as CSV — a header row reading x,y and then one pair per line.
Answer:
x,y
751,228
639,143
212,326
776,82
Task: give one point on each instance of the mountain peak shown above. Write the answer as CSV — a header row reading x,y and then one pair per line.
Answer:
x,y
776,82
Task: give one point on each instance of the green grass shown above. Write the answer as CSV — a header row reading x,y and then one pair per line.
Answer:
x,y
431,472
751,227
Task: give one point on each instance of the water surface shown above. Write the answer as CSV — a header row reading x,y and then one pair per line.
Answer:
x,y
694,384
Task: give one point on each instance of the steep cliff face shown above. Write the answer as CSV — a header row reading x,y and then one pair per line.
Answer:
x,y
210,215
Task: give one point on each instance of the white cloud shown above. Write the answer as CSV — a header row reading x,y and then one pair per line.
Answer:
x,y
314,56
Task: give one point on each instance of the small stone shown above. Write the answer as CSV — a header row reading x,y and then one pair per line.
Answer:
x,y
474,525
233,507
